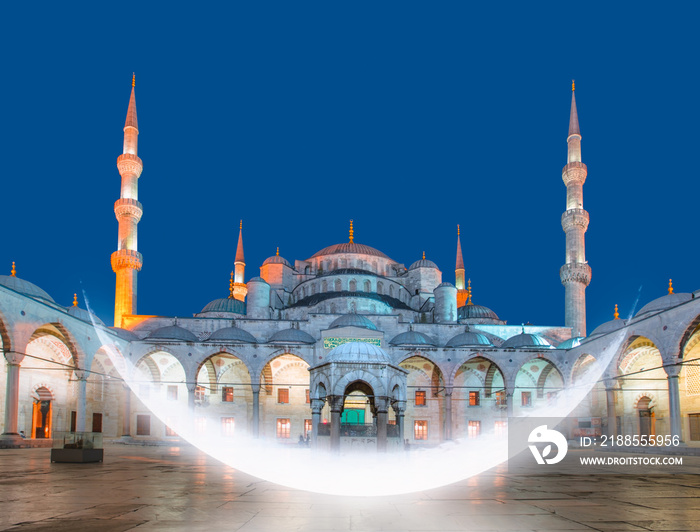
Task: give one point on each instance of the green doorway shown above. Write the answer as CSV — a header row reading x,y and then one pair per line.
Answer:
x,y
353,416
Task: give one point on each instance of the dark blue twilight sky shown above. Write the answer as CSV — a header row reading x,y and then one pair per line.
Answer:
x,y
410,118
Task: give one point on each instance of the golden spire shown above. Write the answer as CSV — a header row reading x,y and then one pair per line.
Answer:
x,y
13,271
424,255
670,286
617,314
278,251
469,292
75,300
230,287
573,85
352,233
133,80
457,229
240,226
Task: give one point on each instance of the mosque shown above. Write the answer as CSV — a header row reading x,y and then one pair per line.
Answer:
x,y
348,348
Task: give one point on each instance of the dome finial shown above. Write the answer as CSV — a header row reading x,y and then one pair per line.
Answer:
x,y
352,233
670,286
469,292
13,271
230,287
617,314
457,229
278,251
75,300
424,255
573,85
133,80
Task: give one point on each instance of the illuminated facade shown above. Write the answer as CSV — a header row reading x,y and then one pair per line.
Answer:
x,y
348,347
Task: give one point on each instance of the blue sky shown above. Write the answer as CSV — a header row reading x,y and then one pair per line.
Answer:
x,y
409,118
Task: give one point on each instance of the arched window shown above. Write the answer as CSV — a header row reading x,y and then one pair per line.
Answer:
x,y
338,286
313,289
380,288
353,285
324,286
391,290
368,286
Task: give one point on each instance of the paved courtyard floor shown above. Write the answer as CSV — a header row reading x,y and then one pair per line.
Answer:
x,y
179,488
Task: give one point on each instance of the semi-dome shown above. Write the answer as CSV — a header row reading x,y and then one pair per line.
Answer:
x,y
476,312
353,320
292,336
232,334
258,280
276,259
571,343
413,338
527,341
350,247
173,332
24,287
84,315
469,339
608,327
227,304
354,352
124,334
423,263
662,303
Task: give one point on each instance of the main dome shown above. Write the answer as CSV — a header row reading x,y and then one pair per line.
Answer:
x,y
350,247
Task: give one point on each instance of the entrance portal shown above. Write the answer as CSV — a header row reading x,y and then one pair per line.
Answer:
x,y
646,417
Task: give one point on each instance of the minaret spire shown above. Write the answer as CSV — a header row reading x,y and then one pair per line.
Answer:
x,y
459,274
239,288
127,261
576,273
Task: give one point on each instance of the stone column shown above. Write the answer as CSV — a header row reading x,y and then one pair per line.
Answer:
x,y
611,410
191,388
12,396
448,413
81,406
381,404
509,403
126,427
399,409
674,400
336,409
316,408
256,410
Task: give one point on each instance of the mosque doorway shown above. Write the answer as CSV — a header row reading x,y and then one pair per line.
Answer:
x,y
647,421
354,408
41,414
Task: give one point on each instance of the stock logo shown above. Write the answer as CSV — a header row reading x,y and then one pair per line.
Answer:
x,y
542,434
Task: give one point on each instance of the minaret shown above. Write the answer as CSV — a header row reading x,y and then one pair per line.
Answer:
x,y
127,261
576,273
459,274
239,288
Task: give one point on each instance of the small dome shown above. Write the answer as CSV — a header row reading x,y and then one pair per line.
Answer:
x,y
258,280
445,285
276,259
476,312
232,334
295,336
173,332
424,263
24,287
662,303
527,341
84,315
353,320
469,339
413,338
353,352
227,304
571,343
124,334
607,327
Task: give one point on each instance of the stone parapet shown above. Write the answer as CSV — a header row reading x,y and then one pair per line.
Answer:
x,y
574,173
128,207
574,218
576,272
128,163
127,258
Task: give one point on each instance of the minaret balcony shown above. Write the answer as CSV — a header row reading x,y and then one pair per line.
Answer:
x,y
574,173
574,218
128,163
127,258
128,207
575,272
